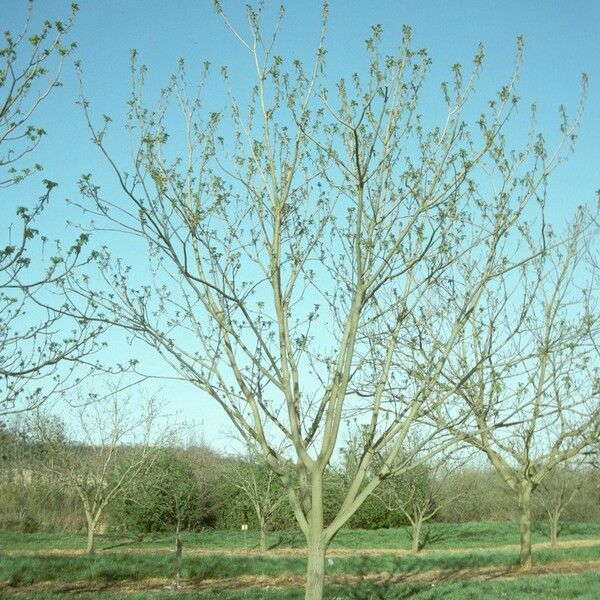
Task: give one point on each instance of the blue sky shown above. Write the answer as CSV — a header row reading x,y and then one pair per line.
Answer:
x,y
561,42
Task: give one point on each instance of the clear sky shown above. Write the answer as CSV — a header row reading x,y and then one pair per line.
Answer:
x,y
561,42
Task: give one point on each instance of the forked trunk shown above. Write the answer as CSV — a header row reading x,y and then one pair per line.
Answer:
x,y
91,536
416,535
525,524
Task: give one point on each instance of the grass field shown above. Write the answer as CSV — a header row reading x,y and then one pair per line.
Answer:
x,y
460,561
486,534
583,587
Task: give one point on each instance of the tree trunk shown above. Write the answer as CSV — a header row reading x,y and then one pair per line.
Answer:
x,y
262,540
91,536
554,521
416,535
317,542
178,553
315,572
525,524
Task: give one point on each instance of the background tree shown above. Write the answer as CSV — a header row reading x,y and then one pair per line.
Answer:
x,y
295,246
111,446
34,337
168,496
16,459
420,494
533,402
30,500
556,493
178,491
260,487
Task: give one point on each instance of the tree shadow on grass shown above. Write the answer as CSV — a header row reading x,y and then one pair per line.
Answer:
x,y
429,535
411,578
288,539
542,528
137,539
432,536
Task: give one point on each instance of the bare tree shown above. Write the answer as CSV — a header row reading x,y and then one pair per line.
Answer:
x,y
37,343
533,402
294,249
555,493
112,444
260,486
419,494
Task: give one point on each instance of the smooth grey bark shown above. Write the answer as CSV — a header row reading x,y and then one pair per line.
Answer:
x,y
525,490
178,554
315,571
317,542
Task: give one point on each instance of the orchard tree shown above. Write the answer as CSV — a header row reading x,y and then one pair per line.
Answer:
x,y
259,486
169,495
555,494
112,443
38,345
420,494
295,247
533,402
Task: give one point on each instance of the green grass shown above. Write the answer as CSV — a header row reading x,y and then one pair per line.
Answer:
x,y
483,534
436,536
21,570
24,570
583,586
41,541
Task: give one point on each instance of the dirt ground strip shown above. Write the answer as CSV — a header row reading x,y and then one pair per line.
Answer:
x,y
331,552
290,580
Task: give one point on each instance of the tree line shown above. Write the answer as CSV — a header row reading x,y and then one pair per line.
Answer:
x,y
49,483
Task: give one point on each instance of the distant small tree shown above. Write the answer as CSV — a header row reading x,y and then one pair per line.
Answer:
x,y
260,486
419,494
109,450
165,496
556,493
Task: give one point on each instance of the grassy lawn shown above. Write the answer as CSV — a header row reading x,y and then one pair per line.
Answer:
x,y
20,570
583,587
130,564
485,534
488,534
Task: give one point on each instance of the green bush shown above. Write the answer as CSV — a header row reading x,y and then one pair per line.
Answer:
x,y
166,497
25,522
